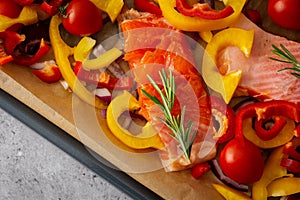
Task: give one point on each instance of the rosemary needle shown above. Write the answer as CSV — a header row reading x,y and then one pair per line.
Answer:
x,y
183,135
286,57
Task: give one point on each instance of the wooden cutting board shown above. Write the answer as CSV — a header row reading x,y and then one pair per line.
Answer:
x,y
59,105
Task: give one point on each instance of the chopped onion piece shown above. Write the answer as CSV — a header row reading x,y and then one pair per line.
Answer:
x,y
65,84
41,65
103,93
98,50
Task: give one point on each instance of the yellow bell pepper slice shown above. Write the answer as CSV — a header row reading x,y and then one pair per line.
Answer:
x,y
272,171
188,23
148,138
62,52
206,36
284,136
225,84
229,193
27,16
84,48
111,7
284,186
103,60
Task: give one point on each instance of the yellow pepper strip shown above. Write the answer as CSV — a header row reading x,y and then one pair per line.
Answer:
x,y
206,36
27,16
111,7
196,24
83,48
62,52
284,136
284,186
272,171
229,193
146,139
225,84
103,60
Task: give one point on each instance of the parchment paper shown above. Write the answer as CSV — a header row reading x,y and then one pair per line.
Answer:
x,y
55,103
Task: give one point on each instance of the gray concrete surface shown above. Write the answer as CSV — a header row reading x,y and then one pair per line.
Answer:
x,y
34,169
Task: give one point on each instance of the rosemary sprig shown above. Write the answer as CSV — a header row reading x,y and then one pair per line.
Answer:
x,y
183,135
286,57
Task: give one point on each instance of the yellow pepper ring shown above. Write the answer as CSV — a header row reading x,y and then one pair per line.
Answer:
x,y
146,139
225,85
285,135
272,171
62,52
284,186
196,24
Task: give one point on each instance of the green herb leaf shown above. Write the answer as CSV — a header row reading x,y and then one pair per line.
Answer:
x,y
185,136
286,57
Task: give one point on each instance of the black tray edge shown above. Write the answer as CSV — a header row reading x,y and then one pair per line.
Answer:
x,y
74,148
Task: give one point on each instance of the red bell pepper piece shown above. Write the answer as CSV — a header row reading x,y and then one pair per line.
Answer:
x,y
200,169
24,2
102,79
148,6
266,110
29,60
51,7
290,164
269,133
49,74
202,10
290,149
11,40
4,58
225,118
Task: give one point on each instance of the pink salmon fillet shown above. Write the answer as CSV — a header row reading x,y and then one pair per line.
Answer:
x,y
260,76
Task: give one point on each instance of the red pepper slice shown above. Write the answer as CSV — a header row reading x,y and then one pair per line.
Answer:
x,y
202,10
11,40
268,134
290,149
51,7
29,60
102,79
148,6
290,164
49,74
265,110
4,58
200,169
24,2
225,118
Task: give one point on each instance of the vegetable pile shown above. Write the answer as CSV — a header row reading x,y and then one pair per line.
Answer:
x,y
258,142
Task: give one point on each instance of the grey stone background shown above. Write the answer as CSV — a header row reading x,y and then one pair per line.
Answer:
x,y
32,168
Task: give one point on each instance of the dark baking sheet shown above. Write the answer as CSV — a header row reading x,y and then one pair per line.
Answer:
x,y
74,148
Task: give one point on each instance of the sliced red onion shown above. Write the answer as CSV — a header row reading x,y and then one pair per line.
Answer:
x,y
127,122
228,181
116,70
104,94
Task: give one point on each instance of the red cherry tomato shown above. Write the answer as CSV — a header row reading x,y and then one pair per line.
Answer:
x,y
12,10
82,18
285,13
241,161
